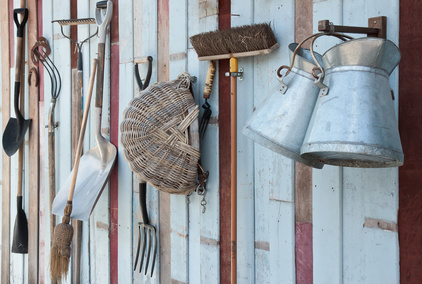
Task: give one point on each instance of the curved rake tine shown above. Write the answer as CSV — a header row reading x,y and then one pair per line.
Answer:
x,y
138,248
143,248
155,250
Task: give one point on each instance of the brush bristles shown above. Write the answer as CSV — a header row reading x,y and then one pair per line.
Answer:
x,y
60,251
234,40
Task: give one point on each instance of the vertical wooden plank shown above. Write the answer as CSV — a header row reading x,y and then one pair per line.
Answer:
x,y
327,191
164,201
245,178
371,193
34,169
126,90
328,225
410,174
145,44
5,109
204,256
224,22
179,218
274,174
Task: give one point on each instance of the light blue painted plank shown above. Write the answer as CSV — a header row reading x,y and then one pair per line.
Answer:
x,y
145,44
126,91
327,210
179,223
274,174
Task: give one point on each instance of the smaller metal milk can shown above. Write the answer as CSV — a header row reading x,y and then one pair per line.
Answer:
x,y
355,124
280,122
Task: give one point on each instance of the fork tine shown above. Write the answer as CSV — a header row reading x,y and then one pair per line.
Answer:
x,y
149,234
139,247
155,249
143,248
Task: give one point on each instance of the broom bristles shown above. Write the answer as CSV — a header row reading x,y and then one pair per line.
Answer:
x,y
234,40
60,247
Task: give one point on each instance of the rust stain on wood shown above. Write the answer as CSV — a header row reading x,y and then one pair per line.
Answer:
x,y
381,224
262,245
209,241
177,56
102,225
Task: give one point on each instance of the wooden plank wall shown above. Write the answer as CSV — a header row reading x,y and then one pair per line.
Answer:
x,y
343,250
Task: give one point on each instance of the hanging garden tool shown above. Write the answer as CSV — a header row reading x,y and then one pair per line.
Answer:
x,y
55,81
63,233
147,232
16,128
97,163
230,44
207,93
20,232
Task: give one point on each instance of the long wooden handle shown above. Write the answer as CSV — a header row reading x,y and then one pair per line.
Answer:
x,y
20,169
210,79
82,133
233,180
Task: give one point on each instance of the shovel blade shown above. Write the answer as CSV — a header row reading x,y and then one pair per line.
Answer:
x,y
12,138
20,233
92,177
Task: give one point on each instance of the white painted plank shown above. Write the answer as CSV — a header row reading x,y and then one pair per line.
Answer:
x,y
145,44
327,182
85,10
274,174
327,200
245,164
125,175
178,204
204,236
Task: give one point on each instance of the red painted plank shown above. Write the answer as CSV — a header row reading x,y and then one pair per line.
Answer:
x,y
410,115
224,22
304,255
303,174
114,138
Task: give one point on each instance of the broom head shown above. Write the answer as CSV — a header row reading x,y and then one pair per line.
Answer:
x,y
60,249
235,41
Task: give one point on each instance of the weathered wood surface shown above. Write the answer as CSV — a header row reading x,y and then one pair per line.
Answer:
x,y
344,250
5,109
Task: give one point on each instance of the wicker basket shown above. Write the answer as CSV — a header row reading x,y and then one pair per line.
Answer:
x,y
159,134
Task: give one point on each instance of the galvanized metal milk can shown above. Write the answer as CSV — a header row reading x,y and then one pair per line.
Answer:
x,y
355,124
281,121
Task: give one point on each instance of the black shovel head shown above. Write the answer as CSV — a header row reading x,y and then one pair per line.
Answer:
x,y
12,137
20,233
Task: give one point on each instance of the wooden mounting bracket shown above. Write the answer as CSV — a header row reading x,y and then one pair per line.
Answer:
x,y
377,27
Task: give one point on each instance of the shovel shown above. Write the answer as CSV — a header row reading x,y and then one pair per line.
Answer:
x,y
96,165
16,127
20,232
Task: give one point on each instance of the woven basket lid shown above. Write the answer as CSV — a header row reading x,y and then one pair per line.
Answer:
x,y
159,134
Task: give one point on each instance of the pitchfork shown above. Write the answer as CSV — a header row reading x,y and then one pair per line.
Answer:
x,y
147,234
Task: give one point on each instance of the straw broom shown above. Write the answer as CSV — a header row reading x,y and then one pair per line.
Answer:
x,y
63,233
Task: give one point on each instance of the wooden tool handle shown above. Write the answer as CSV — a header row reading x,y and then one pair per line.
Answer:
x,y
210,79
82,133
20,169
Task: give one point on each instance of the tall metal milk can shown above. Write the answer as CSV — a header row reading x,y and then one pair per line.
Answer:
x,y
355,125
280,122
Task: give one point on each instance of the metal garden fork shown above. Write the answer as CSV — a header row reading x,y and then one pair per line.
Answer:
x,y
147,232
206,106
